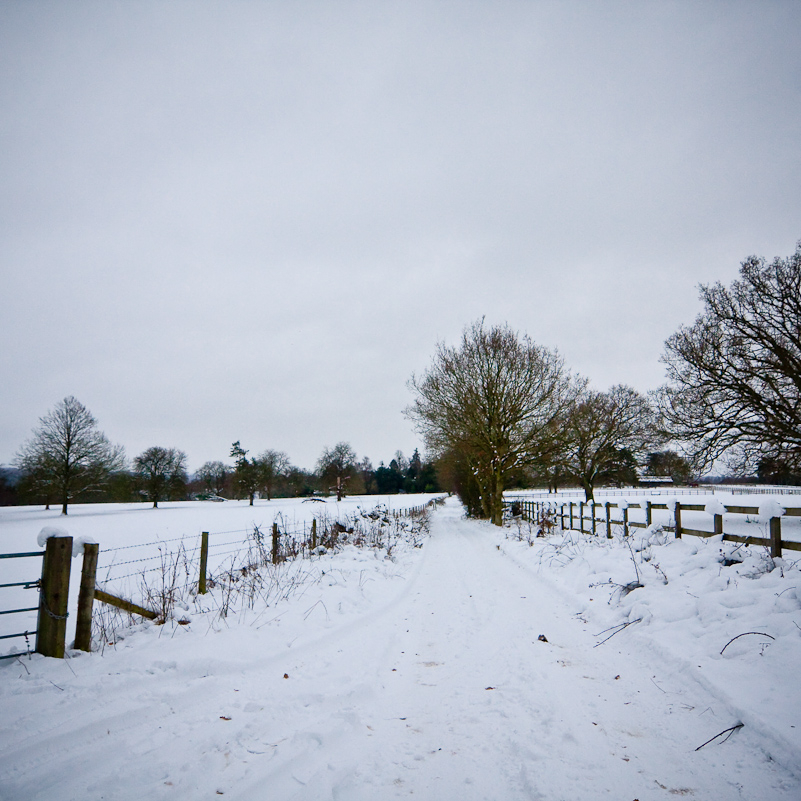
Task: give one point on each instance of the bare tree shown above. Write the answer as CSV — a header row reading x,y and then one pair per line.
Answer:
x,y
338,465
162,472
214,475
735,374
604,434
493,404
271,467
68,454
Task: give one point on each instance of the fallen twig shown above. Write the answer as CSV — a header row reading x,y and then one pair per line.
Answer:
x,y
618,629
730,731
745,634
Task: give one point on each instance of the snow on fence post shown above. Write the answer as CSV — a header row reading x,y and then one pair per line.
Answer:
x,y
677,517
53,597
608,506
775,537
204,558
86,597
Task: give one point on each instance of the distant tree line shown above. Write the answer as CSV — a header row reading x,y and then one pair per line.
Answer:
x,y
69,459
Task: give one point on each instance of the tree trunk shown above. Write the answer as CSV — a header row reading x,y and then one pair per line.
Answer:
x,y
497,499
587,486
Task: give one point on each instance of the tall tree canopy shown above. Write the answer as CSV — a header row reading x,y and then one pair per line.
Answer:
x,y
67,454
734,376
493,404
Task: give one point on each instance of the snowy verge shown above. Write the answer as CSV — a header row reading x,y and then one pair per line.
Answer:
x,y
725,615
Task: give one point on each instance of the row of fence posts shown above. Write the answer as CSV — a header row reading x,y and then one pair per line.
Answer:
x,y
534,509
51,629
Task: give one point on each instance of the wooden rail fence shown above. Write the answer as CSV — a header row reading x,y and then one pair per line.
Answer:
x,y
583,512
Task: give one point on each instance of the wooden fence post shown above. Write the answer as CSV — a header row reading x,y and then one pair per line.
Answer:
x,y
314,533
677,516
276,538
54,597
581,517
86,597
204,558
562,516
593,516
718,524
648,514
571,515
608,520
775,537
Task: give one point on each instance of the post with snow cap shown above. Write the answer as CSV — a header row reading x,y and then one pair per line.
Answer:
x,y
86,597
775,537
51,629
773,510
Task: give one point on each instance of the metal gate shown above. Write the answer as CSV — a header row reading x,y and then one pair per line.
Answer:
x,y
34,584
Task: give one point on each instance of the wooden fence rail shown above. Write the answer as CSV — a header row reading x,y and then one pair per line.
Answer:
x,y
582,512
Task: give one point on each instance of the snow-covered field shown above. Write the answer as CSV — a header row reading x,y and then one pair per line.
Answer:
x,y
486,664
136,541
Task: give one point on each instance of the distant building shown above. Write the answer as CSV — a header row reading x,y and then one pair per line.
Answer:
x,y
655,481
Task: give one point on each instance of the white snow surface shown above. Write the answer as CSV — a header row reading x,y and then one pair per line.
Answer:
x,y
713,507
49,531
486,664
769,508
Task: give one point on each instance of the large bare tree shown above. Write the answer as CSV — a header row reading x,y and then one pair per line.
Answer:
x,y
214,475
271,466
734,376
340,465
493,404
604,435
68,454
162,472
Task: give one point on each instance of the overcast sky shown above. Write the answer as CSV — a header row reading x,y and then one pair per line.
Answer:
x,y
255,220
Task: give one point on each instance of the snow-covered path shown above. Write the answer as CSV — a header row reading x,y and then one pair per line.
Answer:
x,y
446,692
